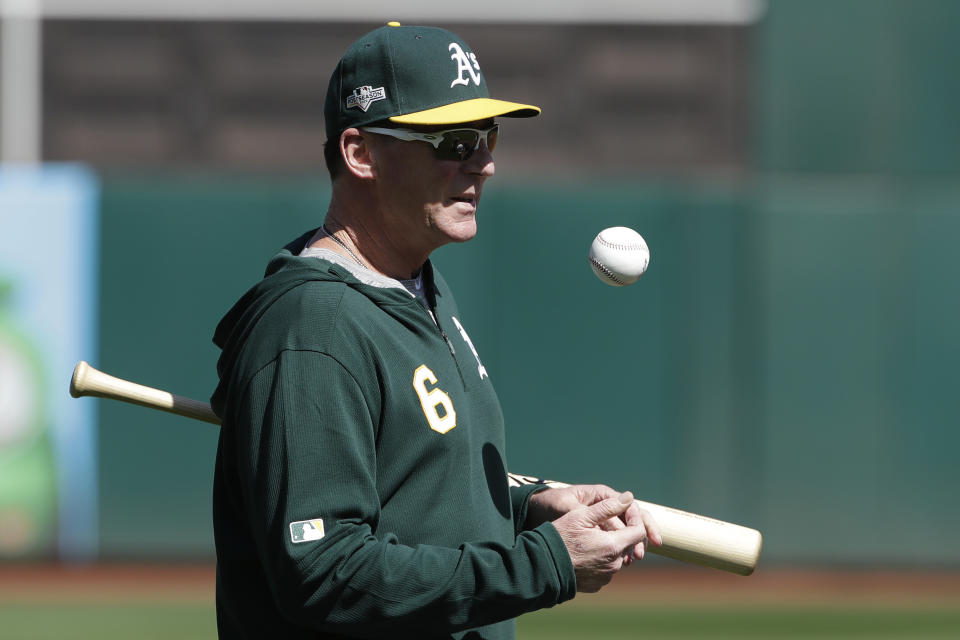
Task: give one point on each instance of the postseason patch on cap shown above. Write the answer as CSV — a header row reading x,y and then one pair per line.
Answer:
x,y
362,97
306,530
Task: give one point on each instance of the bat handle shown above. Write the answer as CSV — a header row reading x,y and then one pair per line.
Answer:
x,y
89,381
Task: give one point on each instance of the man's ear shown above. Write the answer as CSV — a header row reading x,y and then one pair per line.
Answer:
x,y
357,153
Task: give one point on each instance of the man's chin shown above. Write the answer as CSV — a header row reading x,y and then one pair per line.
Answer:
x,y
462,231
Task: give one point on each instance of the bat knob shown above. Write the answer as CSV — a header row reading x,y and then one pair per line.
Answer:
x,y
78,381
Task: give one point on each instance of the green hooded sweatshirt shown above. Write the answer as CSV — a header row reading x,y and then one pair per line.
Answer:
x,y
360,486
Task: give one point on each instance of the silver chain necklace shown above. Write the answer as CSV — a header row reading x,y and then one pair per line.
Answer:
x,y
340,242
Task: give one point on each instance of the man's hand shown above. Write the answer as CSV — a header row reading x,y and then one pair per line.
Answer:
x,y
598,553
547,506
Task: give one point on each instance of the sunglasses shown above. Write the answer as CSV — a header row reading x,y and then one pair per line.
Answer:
x,y
450,144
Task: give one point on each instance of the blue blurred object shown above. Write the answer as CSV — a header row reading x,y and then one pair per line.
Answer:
x,y
49,251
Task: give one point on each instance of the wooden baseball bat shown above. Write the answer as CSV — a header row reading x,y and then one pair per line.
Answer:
x,y
687,537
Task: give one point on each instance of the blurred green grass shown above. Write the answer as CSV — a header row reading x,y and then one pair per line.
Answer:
x,y
186,621
616,623
107,621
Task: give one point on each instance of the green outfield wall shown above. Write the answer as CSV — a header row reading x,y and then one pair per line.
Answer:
x,y
788,361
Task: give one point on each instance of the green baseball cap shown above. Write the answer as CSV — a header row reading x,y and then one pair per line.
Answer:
x,y
411,75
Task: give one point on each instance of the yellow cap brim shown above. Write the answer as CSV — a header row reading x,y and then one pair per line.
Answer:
x,y
468,111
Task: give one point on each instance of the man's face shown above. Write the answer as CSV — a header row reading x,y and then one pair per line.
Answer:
x,y
428,202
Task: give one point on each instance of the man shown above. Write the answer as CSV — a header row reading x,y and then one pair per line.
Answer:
x,y
360,487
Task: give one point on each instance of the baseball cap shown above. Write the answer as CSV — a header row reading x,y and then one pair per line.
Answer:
x,y
411,75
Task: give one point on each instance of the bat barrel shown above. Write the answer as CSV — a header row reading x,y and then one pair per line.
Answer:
x,y
697,539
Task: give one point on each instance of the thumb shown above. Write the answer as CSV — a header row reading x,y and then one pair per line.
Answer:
x,y
609,508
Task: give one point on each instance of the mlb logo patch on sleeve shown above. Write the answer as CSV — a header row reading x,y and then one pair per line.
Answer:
x,y
306,530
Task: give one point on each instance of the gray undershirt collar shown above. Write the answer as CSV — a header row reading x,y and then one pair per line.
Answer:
x,y
414,286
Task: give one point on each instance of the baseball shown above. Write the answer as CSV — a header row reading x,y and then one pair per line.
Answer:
x,y
619,256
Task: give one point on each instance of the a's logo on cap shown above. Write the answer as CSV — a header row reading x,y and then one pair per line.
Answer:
x,y
363,96
466,63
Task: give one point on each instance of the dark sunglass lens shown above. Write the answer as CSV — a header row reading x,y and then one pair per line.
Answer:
x,y
457,145
461,143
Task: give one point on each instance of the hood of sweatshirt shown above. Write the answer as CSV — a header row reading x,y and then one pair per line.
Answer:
x,y
285,271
